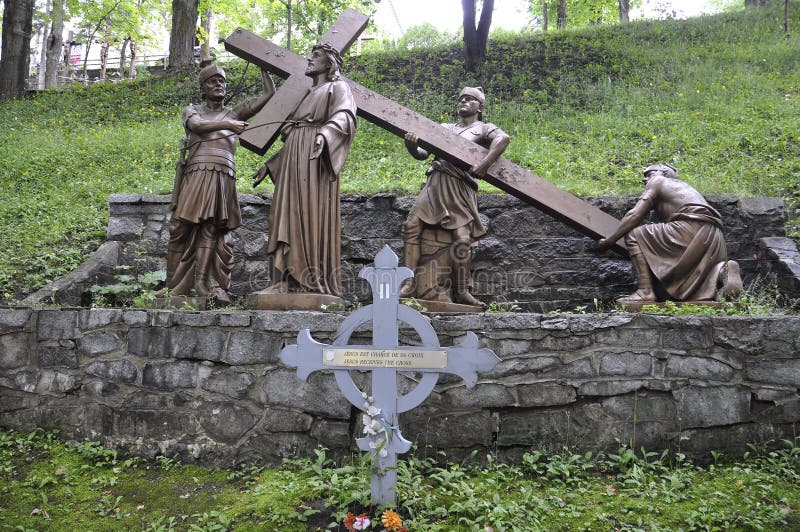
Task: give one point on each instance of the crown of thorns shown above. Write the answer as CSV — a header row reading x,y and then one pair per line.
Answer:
x,y
332,52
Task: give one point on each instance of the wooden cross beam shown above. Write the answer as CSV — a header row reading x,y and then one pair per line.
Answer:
x,y
393,117
265,126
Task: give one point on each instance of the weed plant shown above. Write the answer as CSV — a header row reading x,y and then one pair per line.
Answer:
x,y
47,484
586,109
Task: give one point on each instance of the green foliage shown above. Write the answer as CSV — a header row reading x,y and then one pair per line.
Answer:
x,y
503,306
424,36
130,289
47,484
761,298
586,110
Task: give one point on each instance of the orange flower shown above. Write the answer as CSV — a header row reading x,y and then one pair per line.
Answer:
x,y
348,521
391,520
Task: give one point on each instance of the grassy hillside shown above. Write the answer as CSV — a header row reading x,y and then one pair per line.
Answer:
x,y
587,110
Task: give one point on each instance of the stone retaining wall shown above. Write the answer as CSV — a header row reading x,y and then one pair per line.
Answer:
x,y
208,386
527,256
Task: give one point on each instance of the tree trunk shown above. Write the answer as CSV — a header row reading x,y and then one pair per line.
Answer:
x,y
132,69
207,22
561,15
289,25
476,37
181,35
544,15
103,59
55,42
624,11
755,3
16,48
43,53
786,19
68,56
123,56
86,56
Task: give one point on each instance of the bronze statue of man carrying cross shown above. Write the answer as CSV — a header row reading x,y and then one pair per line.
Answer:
x,y
447,145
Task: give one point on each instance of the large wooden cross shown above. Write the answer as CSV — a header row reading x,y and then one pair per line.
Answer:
x,y
505,175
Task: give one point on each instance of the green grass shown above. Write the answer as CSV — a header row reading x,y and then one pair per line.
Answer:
x,y
586,109
47,484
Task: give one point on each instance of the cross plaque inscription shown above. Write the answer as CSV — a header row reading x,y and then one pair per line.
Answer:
x,y
393,117
384,358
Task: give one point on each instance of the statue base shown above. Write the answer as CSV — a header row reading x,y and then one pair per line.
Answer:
x,y
293,301
181,303
637,306
440,307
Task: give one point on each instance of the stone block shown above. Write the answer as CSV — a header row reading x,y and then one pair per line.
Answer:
x,y
97,318
482,395
626,364
56,382
197,343
583,323
13,319
740,333
765,210
124,228
523,365
320,395
154,425
226,422
25,380
246,347
13,350
149,342
642,407
509,347
610,387
444,430
281,322
135,318
333,434
698,368
532,428
194,319
56,324
687,338
578,369
234,319
121,370
170,375
563,342
252,244
773,371
11,402
56,355
544,394
285,420
101,389
273,448
99,343
710,406
783,412
226,382
629,337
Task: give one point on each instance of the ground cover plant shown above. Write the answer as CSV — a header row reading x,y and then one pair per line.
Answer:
x,y
48,484
586,109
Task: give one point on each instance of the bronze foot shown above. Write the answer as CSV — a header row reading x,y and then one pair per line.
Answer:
x,y
468,299
640,296
730,281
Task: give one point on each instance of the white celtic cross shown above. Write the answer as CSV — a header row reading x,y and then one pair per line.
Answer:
x,y
384,358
